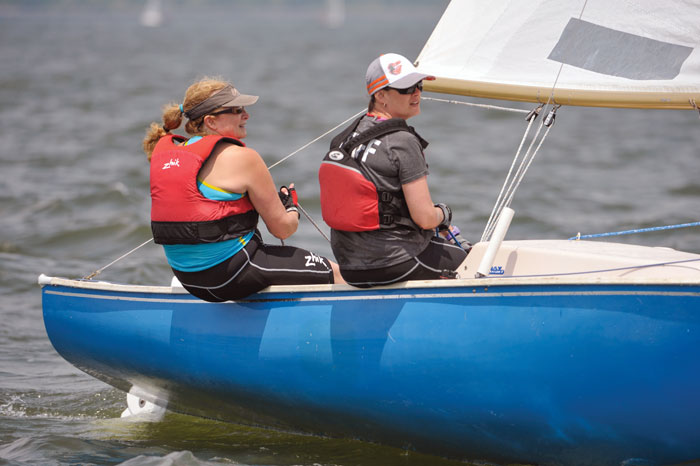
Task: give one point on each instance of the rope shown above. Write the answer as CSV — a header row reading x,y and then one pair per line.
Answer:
x,y
304,147
510,185
695,106
98,271
639,230
505,201
320,137
498,207
312,221
561,66
490,107
530,159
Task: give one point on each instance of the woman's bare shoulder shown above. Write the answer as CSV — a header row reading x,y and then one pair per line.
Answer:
x,y
234,154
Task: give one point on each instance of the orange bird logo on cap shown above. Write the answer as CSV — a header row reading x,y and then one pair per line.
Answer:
x,y
395,68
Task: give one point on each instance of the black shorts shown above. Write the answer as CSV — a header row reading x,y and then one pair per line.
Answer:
x,y
256,266
439,260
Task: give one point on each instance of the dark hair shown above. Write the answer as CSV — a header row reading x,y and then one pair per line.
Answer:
x,y
372,102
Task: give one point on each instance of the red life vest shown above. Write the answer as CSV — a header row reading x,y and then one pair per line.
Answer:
x,y
350,201
180,214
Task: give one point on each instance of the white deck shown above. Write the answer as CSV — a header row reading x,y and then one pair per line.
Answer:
x,y
517,262
583,259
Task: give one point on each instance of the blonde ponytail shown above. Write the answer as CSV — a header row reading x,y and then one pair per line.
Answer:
x,y
172,119
173,113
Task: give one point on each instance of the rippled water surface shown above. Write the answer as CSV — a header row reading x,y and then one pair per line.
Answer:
x,y
80,82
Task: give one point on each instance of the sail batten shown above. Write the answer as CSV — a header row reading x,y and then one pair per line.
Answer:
x,y
612,53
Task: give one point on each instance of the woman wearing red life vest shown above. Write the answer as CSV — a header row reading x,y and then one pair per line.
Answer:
x,y
207,193
374,188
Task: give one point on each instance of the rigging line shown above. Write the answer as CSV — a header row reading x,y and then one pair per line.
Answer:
x,y
304,147
491,225
551,94
312,221
561,66
547,122
320,137
497,207
490,107
519,174
639,230
532,157
695,106
98,271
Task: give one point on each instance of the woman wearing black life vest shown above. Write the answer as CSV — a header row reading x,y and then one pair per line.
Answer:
x,y
207,193
374,189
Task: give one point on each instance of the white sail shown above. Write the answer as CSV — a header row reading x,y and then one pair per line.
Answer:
x,y
612,53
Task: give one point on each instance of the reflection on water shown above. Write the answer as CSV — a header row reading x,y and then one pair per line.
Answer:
x,y
251,445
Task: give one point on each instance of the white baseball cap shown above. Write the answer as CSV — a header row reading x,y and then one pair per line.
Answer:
x,y
392,70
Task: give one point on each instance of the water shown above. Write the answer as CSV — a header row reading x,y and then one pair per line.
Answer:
x,y
80,83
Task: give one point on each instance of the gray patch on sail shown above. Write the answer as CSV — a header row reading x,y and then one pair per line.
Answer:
x,y
616,53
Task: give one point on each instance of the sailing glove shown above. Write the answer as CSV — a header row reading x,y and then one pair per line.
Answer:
x,y
446,216
289,199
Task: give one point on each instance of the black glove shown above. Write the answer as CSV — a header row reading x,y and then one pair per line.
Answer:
x,y
289,199
447,216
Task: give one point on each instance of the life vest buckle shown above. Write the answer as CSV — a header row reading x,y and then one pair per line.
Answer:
x,y
386,196
387,219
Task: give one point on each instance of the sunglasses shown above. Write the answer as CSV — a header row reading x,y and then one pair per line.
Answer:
x,y
234,110
410,90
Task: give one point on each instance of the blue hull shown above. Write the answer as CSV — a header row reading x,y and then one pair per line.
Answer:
x,y
555,374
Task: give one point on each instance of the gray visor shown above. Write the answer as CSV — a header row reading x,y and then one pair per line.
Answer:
x,y
226,97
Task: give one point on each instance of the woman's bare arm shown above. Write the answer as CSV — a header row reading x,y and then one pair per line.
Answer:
x,y
242,169
420,204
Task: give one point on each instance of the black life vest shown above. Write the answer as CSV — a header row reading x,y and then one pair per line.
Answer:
x,y
180,214
350,201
